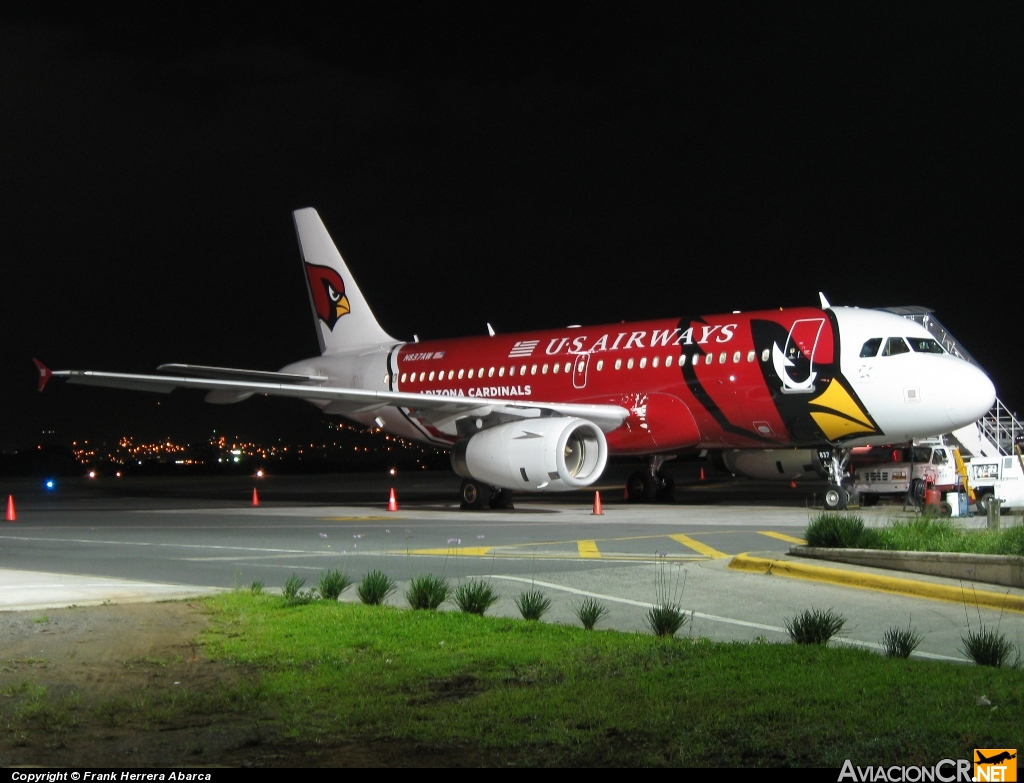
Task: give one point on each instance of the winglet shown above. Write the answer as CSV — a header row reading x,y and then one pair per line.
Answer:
x,y
824,302
44,374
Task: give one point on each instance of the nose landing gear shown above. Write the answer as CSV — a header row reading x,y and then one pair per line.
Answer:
x,y
837,461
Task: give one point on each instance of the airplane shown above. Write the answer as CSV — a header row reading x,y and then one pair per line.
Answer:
x,y
1004,756
544,410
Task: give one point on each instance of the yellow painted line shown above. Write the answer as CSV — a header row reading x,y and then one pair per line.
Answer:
x,y
588,548
885,584
697,546
782,537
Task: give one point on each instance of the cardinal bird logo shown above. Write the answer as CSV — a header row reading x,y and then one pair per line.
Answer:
x,y
328,292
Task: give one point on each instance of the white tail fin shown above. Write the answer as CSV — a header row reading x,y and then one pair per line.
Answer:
x,y
343,319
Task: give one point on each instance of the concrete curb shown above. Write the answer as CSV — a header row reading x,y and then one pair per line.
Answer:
x,y
1005,570
885,584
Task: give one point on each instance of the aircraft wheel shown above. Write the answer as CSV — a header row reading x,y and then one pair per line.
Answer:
x,y
666,488
474,495
836,498
502,498
640,488
869,499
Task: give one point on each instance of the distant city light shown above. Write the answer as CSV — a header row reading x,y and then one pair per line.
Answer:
x,y
50,484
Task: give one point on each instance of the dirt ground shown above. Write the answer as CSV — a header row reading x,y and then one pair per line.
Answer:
x,y
98,664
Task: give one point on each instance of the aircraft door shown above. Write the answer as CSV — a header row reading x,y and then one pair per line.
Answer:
x,y
581,362
795,364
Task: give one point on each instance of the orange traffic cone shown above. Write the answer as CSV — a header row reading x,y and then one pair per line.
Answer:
x,y
598,511
11,516
392,503
255,497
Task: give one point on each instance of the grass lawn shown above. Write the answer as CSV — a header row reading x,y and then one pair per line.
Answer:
x,y
531,693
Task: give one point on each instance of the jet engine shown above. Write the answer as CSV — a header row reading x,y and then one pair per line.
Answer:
x,y
550,454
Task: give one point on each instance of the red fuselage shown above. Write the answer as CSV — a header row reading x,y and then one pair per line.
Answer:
x,y
711,382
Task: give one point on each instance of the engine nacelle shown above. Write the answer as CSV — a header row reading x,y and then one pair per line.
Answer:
x,y
775,464
552,455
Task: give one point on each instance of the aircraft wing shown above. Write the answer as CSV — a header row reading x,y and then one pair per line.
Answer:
x,y
229,385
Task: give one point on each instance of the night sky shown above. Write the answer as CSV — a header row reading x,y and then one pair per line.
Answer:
x,y
529,168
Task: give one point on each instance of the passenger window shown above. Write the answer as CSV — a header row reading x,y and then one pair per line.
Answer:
x,y
618,364
629,364
522,370
721,357
751,355
461,373
533,370
501,372
654,362
431,375
682,360
544,370
556,367
567,366
736,358
471,373
511,371
643,362
403,377
490,372
764,355
895,346
600,365
870,348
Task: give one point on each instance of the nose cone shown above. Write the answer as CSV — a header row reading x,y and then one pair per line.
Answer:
x,y
969,395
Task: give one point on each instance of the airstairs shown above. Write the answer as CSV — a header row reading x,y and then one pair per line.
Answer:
x,y
997,431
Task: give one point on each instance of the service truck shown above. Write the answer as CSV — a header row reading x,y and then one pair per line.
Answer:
x,y
997,477
910,470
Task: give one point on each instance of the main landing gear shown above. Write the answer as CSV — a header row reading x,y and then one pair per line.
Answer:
x,y
653,484
475,495
837,461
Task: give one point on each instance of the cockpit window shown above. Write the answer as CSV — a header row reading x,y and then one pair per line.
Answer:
x,y
894,346
870,348
925,345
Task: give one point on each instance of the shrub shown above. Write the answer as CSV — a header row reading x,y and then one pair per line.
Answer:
x,y
292,591
665,619
814,626
533,604
332,584
590,613
256,588
900,642
475,597
839,530
987,647
427,592
375,588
